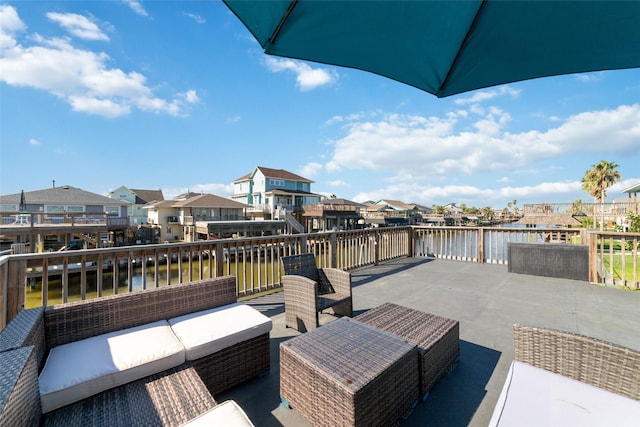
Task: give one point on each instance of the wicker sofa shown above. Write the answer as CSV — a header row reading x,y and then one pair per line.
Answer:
x,y
308,290
217,354
561,378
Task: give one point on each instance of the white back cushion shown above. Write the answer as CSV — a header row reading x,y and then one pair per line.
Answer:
x,y
209,331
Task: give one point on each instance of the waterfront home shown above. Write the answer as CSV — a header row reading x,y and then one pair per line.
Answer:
x,y
61,214
275,194
137,198
191,216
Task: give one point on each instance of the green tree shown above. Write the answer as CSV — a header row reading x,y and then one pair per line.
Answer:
x,y
597,180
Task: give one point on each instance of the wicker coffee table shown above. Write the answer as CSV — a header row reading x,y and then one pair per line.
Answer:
x,y
347,373
437,338
169,398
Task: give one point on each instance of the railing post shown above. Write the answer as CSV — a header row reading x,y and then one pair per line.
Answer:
x,y
15,288
481,245
333,250
219,260
592,239
376,247
411,252
303,244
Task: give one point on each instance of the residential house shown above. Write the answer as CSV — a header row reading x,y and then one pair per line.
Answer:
x,y
137,199
387,212
60,214
191,217
275,194
333,214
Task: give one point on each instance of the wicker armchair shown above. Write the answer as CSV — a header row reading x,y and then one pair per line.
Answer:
x,y
605,365
308,290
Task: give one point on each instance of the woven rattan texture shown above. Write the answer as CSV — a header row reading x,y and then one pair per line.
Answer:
x,y
348,373
170,398
19,393
599,363
437,338
302,297
26,328
74,321
234,365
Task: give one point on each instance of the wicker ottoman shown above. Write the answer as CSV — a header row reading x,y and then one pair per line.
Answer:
x,y
348,373
437,338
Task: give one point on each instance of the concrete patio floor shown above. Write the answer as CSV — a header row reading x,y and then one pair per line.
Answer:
x,y
487,300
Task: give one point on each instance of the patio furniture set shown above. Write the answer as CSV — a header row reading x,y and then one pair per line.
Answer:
x,y
369,370
153,357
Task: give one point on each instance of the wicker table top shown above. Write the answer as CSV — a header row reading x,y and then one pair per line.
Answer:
x,y
416,326
169,398
350,353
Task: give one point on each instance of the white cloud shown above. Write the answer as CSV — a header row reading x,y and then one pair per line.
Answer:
x,y
197,18
78,25
136,6
34,142
232,119
11,24
222,190
472,195
589,77
307,78
80,77
433,146
338,183
310,170
485,95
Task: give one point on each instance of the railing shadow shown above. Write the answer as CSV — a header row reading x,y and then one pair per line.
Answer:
x,y
370,273
456,397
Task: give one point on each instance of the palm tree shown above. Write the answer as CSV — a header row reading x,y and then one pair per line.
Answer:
x,y
596,181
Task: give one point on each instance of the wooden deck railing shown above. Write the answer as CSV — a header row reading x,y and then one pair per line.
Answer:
x,y
255,262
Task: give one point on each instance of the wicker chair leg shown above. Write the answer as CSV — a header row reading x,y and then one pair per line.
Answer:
x,y
345,308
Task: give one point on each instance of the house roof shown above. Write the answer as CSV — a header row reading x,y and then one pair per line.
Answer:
x,y
396,204
208,201
632,189
64,195
146,196
274,173
565,220
344,202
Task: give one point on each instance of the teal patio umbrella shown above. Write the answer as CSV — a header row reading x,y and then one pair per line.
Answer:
x,y
450,47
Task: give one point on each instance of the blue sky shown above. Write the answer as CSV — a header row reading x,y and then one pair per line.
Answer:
x,y
179,96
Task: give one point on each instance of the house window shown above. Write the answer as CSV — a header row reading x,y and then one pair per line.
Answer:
x,y
54,209
112,210
277,182
75,208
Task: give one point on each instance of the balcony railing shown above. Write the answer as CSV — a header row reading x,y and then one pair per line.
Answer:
x,y
50,278
582,208
14,220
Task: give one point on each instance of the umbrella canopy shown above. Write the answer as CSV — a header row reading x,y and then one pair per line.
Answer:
x,y
450,47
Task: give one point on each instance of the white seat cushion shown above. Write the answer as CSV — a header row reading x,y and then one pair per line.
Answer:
x,y
83,368
535,397
209,331
227,414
